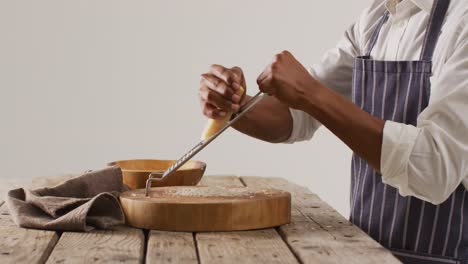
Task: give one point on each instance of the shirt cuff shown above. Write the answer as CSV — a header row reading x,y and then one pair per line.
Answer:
x,y
397,145
304,126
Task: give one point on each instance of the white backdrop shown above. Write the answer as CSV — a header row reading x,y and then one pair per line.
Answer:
x,y
87,82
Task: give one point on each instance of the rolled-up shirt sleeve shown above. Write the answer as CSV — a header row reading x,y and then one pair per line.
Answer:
x,y
430,160
335,71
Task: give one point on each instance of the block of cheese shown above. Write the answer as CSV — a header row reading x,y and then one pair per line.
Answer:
x,y
214,125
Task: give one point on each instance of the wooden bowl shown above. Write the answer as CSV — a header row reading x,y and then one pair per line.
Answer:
x,y
136,172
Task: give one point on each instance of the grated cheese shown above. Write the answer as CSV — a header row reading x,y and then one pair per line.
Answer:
x,y
218,191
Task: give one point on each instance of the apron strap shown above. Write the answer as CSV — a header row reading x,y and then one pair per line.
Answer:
x,y
438,12
375,34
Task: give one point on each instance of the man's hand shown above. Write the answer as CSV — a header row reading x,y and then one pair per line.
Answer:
x,y
286,79
217,88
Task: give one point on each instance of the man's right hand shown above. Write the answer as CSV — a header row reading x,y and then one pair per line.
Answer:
x,y
217,91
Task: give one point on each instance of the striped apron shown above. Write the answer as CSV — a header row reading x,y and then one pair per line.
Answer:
x,y
414,230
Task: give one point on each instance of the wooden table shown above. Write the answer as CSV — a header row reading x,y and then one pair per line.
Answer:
x,y
317,234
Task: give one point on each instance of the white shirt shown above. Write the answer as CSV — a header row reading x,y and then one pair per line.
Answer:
x,y
428,161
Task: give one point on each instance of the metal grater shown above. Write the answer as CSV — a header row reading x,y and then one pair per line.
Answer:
x,y
202,144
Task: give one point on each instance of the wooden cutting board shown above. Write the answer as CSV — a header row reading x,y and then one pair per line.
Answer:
x,y
206,208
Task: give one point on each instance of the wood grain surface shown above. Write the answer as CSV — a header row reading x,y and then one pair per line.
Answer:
x,y
319,234
122,245
257,246
171,247
20,245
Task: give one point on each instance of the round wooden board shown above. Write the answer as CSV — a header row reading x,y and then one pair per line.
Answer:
x,y
206,208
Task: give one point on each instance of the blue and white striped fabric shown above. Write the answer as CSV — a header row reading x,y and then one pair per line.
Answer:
x,y
416,231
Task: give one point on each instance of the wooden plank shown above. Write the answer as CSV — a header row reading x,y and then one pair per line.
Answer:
x,y
171,247
221,180
319,234
260,246
256,246
122,245
20,245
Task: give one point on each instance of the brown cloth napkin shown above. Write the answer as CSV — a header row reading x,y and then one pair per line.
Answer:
x,y
79,204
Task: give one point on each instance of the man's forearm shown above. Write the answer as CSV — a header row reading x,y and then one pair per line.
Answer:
x,y
269,120
358,129
289,81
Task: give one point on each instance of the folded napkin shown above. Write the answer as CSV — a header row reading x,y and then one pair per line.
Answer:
x,y
79,204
